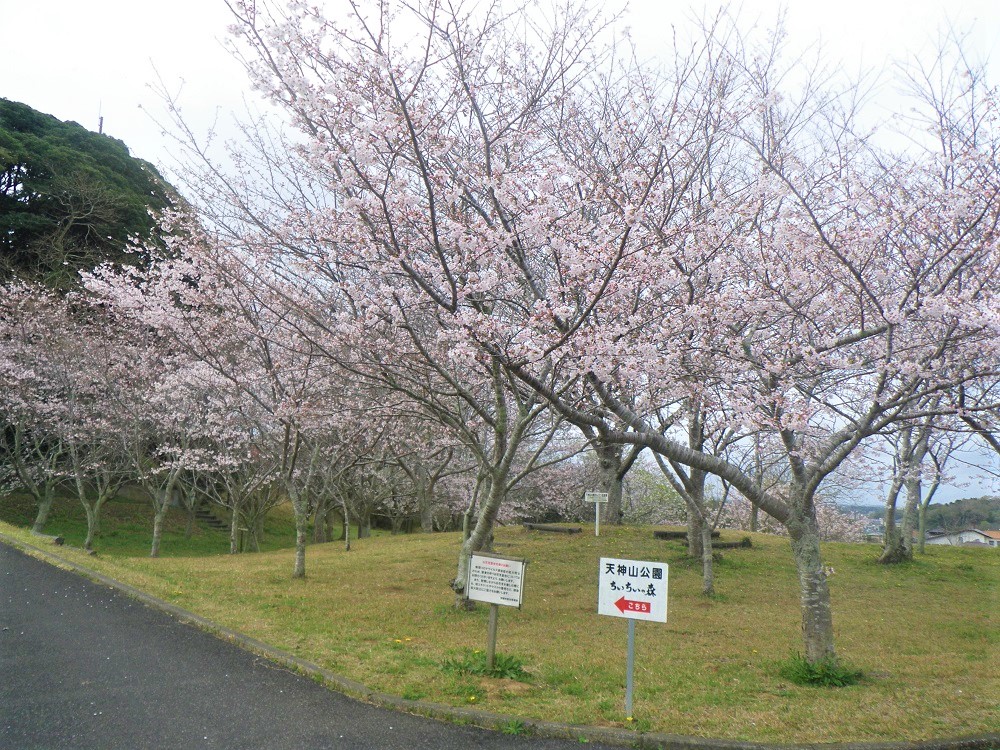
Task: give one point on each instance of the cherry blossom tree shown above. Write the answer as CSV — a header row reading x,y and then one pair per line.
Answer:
x,y
207,308
30,453
613,239
67,380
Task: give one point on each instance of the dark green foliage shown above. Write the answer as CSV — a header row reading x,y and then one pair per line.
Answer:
x,y
505,666
970,513
826,673
967,513
70,199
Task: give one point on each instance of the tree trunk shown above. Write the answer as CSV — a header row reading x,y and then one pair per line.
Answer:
x,y
694,532
610,463
425,502
477,539
92,509
301,533
347,526
691,486
93,526
255,534
300,509
158,517
320,524
892,549
814,593
93,521
364,525
467,520
44,508
328,522
161,505
425,484
234,531
707,568
694,496
922,513
914,487
910,454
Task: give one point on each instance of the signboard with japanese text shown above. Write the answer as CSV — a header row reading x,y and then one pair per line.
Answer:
x,y
495,580
635,589
596,498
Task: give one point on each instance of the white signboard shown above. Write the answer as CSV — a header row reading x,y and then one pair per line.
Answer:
x,y
597,498
636,589
495,580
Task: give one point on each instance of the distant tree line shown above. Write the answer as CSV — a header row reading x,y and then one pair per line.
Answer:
x,y
969,513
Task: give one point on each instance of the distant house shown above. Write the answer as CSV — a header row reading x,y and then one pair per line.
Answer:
x,y
874,531
967,537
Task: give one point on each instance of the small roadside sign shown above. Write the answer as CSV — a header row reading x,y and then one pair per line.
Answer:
x,y
635,589
596,498
495,579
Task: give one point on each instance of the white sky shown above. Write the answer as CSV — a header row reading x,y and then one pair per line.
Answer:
x,y
79,59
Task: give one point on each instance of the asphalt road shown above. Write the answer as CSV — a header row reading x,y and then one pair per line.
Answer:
x,y
83,666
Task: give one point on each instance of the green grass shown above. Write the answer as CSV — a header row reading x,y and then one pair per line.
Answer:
x,y
924,634
514,726
824,673
127,527
505,666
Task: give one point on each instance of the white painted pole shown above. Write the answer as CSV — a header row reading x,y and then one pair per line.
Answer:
x,y
629,668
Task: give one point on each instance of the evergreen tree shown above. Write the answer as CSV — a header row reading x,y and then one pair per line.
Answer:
x,y
70,199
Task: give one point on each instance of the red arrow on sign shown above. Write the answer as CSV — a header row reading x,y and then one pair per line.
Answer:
x,y
630,605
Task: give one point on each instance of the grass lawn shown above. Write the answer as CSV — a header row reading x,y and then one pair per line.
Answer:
x,y
925,634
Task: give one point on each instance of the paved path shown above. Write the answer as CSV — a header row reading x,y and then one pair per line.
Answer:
x,y
83,666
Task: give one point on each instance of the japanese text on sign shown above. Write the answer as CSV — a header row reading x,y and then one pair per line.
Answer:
x,y
495,580
635,589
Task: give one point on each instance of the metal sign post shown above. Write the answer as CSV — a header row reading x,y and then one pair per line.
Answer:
x,y
629,668
491,637
597,498
495,580
636,590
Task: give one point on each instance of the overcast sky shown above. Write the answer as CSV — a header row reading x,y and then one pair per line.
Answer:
x,y
80,59
83,59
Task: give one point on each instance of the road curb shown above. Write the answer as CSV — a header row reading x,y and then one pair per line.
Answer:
x,y
473,716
